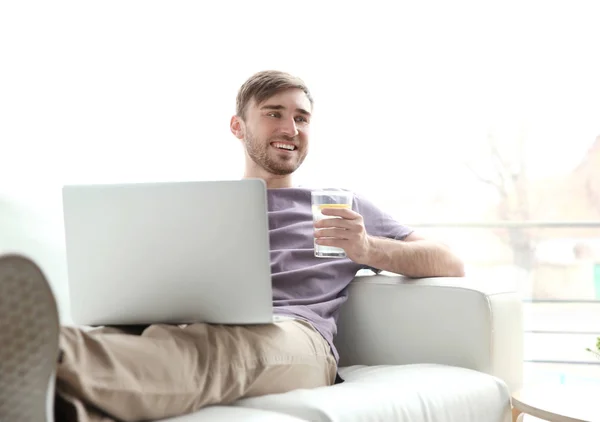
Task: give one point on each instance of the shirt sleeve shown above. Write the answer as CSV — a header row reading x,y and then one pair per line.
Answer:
x,y
379,223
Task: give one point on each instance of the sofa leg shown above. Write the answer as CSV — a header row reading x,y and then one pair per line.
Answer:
x,y
515,415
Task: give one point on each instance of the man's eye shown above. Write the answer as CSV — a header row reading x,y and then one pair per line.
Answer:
x,y
274,114
301,119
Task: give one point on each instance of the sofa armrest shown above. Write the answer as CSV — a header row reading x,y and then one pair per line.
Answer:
x,y
391,320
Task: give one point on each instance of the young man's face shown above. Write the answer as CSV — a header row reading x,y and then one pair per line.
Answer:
x,y
276,131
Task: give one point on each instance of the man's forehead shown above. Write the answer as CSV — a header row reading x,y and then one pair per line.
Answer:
x,y
291,98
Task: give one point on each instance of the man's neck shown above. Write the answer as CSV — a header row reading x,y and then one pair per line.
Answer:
x,y
273,181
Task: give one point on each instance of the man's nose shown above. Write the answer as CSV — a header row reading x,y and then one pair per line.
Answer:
x,y
289,128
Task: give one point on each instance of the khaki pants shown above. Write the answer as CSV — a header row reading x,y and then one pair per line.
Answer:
x,y
164,370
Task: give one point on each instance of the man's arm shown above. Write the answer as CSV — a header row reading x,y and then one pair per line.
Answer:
x,y
413,257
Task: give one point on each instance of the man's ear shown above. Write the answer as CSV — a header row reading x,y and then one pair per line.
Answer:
x,y
237,127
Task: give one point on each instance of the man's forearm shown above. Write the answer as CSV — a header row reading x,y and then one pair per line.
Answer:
x,y
421,258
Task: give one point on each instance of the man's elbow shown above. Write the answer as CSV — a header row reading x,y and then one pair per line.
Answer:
x,y
457,268
454,266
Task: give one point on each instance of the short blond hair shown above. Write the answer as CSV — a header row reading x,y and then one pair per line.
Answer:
x,y
263,85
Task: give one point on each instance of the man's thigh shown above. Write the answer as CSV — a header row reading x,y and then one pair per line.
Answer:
x,y
263,359
171,370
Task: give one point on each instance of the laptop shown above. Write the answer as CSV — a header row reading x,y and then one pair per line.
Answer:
x,y
181,252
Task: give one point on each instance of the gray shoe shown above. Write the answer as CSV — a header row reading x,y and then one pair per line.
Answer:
x,y
29,329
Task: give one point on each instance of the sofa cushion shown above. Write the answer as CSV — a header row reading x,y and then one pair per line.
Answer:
x,y
421,392
227,413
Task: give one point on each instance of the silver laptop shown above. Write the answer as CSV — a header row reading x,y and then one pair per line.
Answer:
x,y
168,253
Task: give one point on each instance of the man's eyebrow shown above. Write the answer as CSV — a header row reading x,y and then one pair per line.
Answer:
x,y
280,107
302,111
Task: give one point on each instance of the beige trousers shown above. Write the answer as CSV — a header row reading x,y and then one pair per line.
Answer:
x,y
164,370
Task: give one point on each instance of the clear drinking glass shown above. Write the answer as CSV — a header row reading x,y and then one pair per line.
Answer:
x,y
329,198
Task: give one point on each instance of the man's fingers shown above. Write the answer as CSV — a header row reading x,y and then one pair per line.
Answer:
x,y
329,241
333,232
341,212
334,222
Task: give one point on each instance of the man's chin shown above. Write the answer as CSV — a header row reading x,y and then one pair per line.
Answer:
x,y
281,172
281,167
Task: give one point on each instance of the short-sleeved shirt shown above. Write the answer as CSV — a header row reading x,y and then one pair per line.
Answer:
x,y
304,286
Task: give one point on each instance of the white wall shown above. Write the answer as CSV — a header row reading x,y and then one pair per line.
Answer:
x,y
28,230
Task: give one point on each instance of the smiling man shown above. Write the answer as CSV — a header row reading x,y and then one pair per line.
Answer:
x,y
162,371
273,113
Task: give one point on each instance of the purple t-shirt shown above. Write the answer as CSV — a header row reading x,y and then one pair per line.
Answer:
x,y
304,286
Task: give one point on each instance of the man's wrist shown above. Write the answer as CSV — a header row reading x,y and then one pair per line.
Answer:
x,y
378,256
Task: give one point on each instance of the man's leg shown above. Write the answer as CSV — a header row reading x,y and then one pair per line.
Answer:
x,y
165,371
68,408
169,371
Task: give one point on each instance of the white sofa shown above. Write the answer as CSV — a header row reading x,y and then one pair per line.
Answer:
x,y
431,350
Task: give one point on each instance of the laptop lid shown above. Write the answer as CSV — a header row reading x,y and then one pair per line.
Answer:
x,y
168,252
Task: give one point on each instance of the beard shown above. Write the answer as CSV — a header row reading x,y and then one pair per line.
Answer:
x,y
266,157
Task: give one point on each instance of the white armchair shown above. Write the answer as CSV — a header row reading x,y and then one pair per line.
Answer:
x,y
462,322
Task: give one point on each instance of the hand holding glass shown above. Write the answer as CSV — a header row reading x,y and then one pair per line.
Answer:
x,y
329,199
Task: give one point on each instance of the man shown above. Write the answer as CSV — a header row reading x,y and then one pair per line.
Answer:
x,y
150,373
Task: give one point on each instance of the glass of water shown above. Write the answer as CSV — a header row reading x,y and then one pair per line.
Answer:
x,y
329,198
